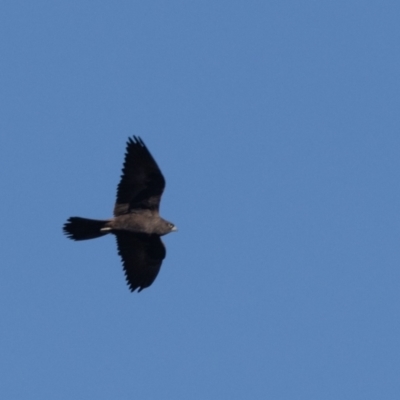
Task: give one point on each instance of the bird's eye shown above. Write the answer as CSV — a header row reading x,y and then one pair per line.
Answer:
x,y
170,225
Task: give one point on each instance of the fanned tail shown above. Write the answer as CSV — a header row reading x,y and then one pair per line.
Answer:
x,y
77,228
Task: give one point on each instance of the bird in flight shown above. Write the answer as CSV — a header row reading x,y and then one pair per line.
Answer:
x,y
136,224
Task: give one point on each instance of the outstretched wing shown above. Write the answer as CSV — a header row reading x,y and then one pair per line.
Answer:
x,y
142,182
141,257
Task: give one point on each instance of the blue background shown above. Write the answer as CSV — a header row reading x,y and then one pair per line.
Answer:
x,y
276,125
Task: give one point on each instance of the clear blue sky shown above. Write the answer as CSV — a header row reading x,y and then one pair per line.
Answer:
x,y
277,127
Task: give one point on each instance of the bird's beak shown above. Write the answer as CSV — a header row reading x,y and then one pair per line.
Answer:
x,y
174,229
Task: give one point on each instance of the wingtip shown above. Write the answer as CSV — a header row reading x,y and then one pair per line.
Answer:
x,y
135,140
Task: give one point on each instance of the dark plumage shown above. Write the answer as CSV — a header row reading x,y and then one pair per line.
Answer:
x,y
137,224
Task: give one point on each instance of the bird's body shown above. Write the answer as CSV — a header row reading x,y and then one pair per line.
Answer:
x,y
136,224
141,221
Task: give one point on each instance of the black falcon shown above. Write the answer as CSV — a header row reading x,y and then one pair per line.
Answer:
x,y
137,224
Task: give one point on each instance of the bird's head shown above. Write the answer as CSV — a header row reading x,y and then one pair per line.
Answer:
x,y
166,227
